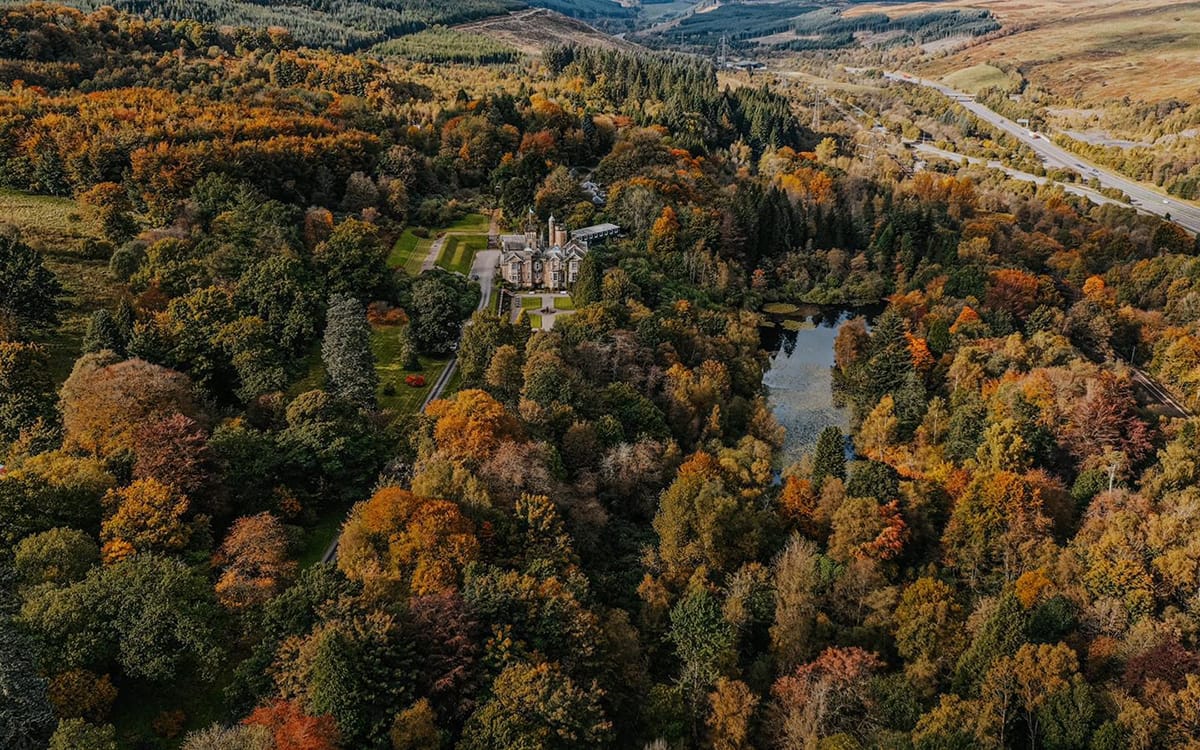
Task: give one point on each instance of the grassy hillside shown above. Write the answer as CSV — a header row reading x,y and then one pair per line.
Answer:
x,y
351,24
1143,49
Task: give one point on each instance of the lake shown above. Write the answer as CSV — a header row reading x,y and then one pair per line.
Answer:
x,y
799,380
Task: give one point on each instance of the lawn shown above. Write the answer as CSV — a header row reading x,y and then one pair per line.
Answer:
x,y
318,538
409,252
531,303
458,254
535,321
564,303
406,399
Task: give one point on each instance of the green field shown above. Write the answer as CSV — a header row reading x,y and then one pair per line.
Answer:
x,y
979,77
458,254
54,226
385,343
564,303
410,251
535,321
531,303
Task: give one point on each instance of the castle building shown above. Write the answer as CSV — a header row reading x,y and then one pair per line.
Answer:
x,y
551,261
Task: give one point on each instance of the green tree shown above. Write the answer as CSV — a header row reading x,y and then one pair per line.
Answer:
x,y
438,303
537,707
346,352
26,390
153,616
354,261
26,717
58,556
829,457
29,292
103,333
77,734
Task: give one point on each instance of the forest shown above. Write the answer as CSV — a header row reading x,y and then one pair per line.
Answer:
x,y
589,540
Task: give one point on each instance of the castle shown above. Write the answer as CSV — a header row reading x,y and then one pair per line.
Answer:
x,y
550,261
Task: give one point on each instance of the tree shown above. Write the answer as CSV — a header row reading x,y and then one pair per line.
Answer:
x,y
346,352
471,425
174,451
1023,681
438,303
108,206
105,402
103,333
26,717
146,516
829,457
58,556
797,579
253,561
537,706
415,728
996,527
26,389
826,696
354,261
77,734
217,737
357,669
420,543
704,644
29,292
406,350
928,622
152,615
81,694
733,707
292,729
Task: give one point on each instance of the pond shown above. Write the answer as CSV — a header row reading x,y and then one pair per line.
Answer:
x,y
799,380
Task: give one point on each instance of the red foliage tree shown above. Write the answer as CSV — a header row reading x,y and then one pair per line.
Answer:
x,y
292,729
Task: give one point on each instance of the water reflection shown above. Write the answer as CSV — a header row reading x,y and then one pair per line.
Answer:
x,y
799,381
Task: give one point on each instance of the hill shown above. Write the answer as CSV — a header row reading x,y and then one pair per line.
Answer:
x,y
534,29
350,24
1143,49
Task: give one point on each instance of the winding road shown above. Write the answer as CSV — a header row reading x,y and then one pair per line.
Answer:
x,y
1142,197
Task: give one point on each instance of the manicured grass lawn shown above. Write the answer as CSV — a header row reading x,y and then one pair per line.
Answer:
x,y
470,224
410,251
531,303
535,321
458,254
564,303
407,399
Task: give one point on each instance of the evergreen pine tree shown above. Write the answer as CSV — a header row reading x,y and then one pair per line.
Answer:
x,y
346,351
829,458
103,333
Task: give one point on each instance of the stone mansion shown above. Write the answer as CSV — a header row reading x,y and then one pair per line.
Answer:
x,y
550,261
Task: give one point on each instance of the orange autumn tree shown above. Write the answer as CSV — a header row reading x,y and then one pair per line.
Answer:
x,y
106,402
145,516
254,562
471,425
420,543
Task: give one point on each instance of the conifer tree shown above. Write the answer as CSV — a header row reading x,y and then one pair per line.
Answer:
x,y
346,352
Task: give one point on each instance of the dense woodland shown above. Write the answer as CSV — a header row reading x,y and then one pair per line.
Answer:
x,y
588,543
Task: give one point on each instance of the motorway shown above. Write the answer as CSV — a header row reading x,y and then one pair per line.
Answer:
x,y
1143,198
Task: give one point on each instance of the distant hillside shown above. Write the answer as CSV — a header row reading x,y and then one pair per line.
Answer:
x,y
535,29
350,24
